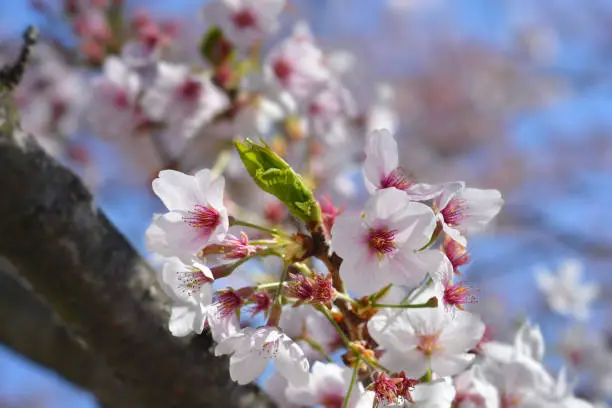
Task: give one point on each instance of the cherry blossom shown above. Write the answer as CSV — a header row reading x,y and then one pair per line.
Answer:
x,y
328,385
380,246
565,292
113,111
296,65
252,348
182,99
381,169
421,339
190,288
474,391
196,214
454,294
463,210
244,22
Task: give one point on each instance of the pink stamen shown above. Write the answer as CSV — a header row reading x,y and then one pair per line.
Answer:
x,y
283,70
190,90
385,388
244,19
192,280
459,295
261,302
381,241
331,401
398,179
203,217
454,212
228,302
120,100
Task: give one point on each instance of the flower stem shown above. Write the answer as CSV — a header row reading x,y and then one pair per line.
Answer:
x,y
267,285
346,297
352,384
432,302
427,377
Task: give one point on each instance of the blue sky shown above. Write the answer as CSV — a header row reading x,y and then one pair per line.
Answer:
x,y
580,212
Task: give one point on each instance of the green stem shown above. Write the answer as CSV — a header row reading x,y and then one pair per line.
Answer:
x,y
427,377
432,302
279,284
329,317
352,384
346,297
267,285
276,232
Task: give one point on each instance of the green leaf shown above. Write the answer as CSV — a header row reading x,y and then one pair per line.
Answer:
x,y
274,176
215,48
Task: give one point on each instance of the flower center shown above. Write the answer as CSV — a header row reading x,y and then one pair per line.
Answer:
x,y
190,89
244,19
332,401
454,212
228,301
381,241
398,179
428,344
191,280
203,217
270,349
510,401
120,100
282,69
459,295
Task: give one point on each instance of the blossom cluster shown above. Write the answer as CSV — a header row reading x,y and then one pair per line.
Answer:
x,y
362,301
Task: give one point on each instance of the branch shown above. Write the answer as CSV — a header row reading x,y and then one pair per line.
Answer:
x,y
31,328
54,235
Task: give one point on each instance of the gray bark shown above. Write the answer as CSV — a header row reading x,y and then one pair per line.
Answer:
x,y
54,235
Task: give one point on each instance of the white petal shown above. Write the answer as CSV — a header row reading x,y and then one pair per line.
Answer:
x,y
423,192
462,333
184,320
291,362
381,158
481,207
347,234
246,368
176,190
444,364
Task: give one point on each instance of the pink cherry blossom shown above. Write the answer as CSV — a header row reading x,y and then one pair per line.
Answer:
x,y
244,22
420,339
196,214
380,246
463,210
182,99
252,348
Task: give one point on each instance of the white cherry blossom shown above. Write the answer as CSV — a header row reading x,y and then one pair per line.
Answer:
x,y
297,66
183,99
565,292
474,391
380,246
244,22
327,386
113,111
196,214
252,348
381,169
191,291
415,340
464,210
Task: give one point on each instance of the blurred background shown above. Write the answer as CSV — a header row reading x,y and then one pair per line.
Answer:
x,y
514,95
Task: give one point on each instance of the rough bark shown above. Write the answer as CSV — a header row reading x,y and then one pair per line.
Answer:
x,y
55,236
30,327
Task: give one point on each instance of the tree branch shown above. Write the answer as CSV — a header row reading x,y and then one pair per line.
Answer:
x,y
31,328
54,235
